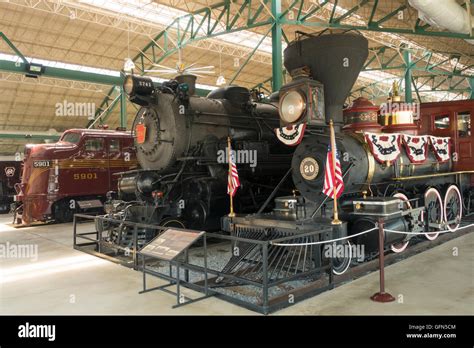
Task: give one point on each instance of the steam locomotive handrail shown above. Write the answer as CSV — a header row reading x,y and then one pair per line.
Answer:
x,y
132,171
327,241
313,214
275,190
301,235
159,227
236,116
405,178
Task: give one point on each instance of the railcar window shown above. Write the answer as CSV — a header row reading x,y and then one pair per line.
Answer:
x,y
94,145
464,124
114,145
442,122
72,138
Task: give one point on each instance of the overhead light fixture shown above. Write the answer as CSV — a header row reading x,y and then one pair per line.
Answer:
x,y
34,70
221,80
129,65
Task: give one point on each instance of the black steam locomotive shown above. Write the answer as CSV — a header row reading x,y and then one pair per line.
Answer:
x,y
181,146
182,181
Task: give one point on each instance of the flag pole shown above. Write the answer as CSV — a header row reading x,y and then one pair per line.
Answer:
x,y
336,220
231,214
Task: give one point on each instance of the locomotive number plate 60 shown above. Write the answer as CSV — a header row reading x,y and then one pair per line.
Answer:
x,y
309,168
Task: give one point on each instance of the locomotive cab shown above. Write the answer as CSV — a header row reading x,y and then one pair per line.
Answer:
x,y
452,119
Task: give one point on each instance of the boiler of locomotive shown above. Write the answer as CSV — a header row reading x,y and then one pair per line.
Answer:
x,y
175,126
173,120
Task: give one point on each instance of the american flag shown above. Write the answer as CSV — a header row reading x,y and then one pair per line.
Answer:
x,y
329,180
233,180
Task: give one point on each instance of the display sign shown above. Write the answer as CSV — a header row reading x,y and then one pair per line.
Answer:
x,y
170,243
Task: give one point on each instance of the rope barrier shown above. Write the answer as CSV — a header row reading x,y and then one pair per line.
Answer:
x,y
367,231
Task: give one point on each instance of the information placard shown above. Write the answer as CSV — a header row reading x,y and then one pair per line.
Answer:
x,y
170,243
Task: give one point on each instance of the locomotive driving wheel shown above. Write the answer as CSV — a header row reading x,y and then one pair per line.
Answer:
x,y
401,246
452,208
434,211
173,222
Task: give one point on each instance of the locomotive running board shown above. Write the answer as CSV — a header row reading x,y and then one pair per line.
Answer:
x,y
427,176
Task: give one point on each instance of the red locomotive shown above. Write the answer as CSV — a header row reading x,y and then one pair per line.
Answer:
x,y
72,175
10,173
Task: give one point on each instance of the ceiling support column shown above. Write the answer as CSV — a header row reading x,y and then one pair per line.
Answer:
x,y
123,108
276,46
408,77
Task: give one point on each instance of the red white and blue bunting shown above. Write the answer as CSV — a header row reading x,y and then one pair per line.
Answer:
x,y
416,147
291,135
441,147
384,147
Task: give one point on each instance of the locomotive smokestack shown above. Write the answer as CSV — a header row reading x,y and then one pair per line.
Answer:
x,y
334,59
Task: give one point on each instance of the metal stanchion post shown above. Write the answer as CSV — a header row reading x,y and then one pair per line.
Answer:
x,y
382,296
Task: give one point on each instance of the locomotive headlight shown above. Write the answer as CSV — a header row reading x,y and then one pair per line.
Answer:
x,y
128,84
292,106
138,85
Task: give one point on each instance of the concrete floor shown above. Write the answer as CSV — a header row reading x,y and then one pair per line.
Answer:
x,y
65,281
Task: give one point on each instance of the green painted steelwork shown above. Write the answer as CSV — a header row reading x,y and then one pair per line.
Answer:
x,y
13,47
205,23
123,108
199,25
277,50
249,57
376,22
413,82
67,74
27,136
104,106
408,78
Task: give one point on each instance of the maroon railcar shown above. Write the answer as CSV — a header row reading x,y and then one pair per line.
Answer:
x,y
10,173
72,175
452,119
